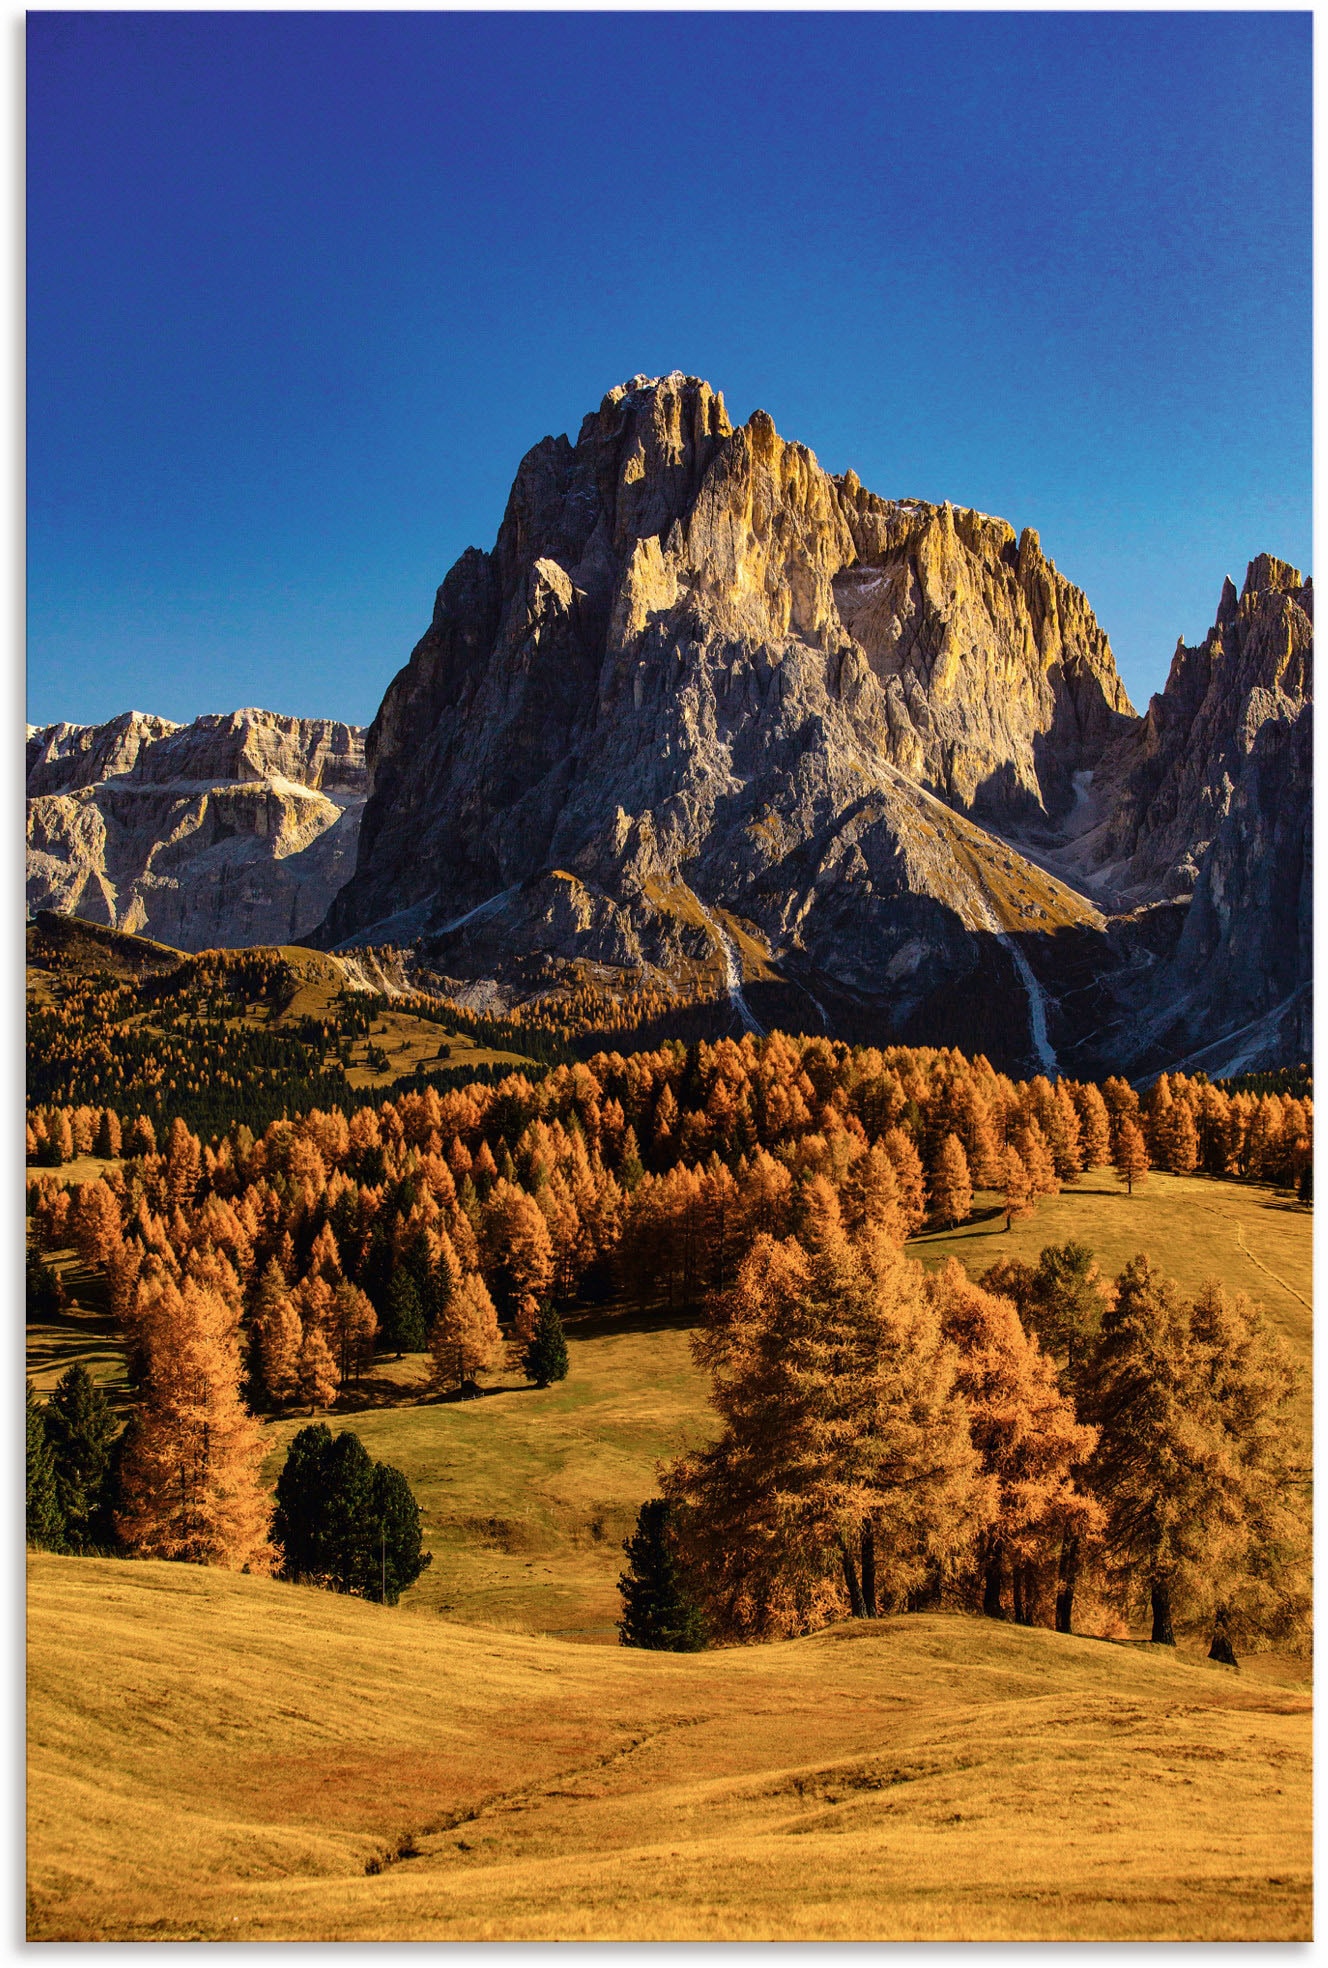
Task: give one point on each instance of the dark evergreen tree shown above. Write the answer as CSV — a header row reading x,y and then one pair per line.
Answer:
x,y
545,1358
377,1270
403,1318
45,1293
345,1513
658,1610
344,1521
45,1523
297,1518
396,1554
80,1428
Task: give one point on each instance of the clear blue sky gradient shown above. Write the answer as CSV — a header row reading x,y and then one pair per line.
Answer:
x,y
304,288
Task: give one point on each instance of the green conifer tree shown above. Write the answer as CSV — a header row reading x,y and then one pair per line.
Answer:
x,y
81,1428
545,1358
45,1294
296,1520
396,1553
344,1521
658,1611
45,1523
403,1323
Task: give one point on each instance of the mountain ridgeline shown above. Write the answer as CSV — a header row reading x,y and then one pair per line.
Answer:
x,y
233,830
707,713
710,723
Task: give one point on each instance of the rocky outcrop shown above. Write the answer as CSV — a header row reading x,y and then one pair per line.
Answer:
x,y
1203,810
1166,786
698,679
232,830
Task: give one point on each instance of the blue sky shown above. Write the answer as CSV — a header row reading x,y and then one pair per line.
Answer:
x,y
303,288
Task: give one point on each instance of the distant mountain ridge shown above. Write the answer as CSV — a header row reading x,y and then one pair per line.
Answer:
x,y
232,830
710,718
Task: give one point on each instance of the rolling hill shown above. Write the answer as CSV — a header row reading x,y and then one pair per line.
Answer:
x,y
254,1761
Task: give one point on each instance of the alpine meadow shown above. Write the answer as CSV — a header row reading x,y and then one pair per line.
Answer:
x,y
669,1288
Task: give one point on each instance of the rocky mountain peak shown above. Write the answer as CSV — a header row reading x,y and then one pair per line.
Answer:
x,y
698,672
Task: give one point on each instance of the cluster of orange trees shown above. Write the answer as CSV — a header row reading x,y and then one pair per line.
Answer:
x,y
261,1270
894,1440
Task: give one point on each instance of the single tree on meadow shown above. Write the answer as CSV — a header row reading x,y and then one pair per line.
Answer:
x,y
1130,1156
545,1359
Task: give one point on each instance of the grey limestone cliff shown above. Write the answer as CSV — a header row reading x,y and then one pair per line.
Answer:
x,y
233,830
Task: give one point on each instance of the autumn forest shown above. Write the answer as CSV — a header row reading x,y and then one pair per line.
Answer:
x,y
1041,1443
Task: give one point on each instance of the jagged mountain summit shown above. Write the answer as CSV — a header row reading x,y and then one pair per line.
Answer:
x,y
233,830
705,709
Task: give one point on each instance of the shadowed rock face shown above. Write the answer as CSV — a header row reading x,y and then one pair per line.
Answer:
x,y
1165,788
233,830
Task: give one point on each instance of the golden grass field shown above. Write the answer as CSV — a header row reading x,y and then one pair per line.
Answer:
x,y
242,1750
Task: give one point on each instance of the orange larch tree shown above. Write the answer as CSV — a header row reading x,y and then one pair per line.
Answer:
x,y
190,1480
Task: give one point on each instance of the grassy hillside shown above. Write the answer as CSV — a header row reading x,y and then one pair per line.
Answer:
x,y
246,1750
527,1494
1256,1240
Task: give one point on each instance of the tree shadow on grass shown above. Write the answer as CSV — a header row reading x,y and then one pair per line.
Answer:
x,y
604,1321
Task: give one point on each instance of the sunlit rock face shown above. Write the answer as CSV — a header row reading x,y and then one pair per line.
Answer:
x,y
697,673
232,830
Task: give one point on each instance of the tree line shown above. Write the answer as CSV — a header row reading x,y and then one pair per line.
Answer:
x,y
895,1441
259,1271
338,1519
